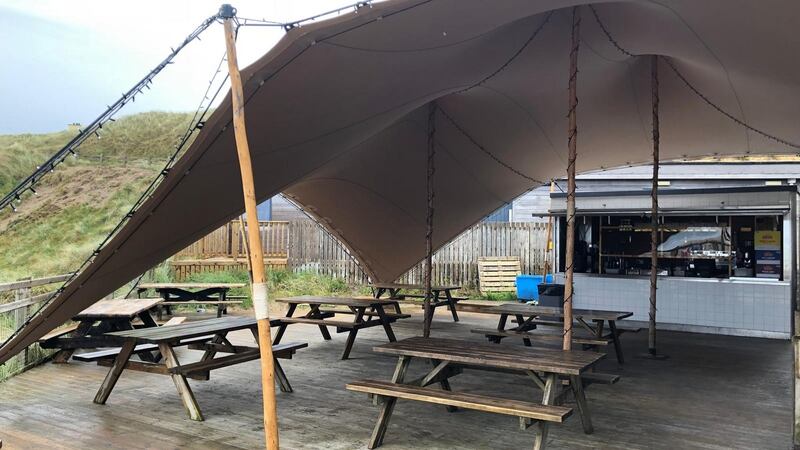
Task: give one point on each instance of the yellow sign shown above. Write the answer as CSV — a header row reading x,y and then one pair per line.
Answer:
x,y
768,240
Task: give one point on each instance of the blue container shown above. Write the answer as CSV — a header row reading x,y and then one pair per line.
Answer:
x,y
528,287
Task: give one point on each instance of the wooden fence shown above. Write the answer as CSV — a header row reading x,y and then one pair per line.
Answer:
x,y
457,261
228,241
307,246
18,300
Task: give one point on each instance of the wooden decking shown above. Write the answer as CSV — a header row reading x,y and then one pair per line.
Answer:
x,y
714,392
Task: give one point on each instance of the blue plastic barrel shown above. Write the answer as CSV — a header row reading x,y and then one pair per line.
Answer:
x,y
528,287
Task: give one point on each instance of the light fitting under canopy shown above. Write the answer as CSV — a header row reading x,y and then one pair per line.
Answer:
x,y
336,117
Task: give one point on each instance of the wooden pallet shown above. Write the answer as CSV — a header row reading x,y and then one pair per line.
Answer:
x,y
498,273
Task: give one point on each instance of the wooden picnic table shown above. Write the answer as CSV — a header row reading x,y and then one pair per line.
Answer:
x,y
206,335
544,366
175,294
366,312
98,319
449,300
530,317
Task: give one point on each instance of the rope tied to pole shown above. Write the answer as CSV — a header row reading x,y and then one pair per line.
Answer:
x,y
654,212
572,141
431,171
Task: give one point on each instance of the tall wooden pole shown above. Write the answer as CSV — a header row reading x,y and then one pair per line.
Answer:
x,y
428,311
572,142
651,339
259,284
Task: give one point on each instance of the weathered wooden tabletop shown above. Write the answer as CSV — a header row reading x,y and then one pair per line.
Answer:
x,y
534,310
537,359
190,285
123,308
338,301
186,330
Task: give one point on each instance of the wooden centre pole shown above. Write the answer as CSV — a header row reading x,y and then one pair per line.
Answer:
x,y
431,170
259,285
572,141
651,338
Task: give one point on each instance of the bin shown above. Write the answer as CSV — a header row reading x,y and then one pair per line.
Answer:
x,y
551,294
527,287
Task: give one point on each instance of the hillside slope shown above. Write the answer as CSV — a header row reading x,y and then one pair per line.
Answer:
x,y
83,199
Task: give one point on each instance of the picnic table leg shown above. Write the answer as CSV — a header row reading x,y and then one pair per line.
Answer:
x,y
162,308
63,356
282,327
612,326
351,337
397,307
548,398
501,326
452,303
521,327
220,307
280,377
147,319
445,385
184,391
387,325
388,405
583,408
315,314
115,371
598,328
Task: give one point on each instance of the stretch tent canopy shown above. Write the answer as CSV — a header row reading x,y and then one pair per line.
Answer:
x,y
337,120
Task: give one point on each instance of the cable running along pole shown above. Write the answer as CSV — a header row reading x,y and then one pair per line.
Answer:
x,y
94,128
573,151
259,285
651,336
428,310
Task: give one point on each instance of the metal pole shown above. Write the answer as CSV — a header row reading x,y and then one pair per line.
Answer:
x,y
426,332
651,339
573,153
259,285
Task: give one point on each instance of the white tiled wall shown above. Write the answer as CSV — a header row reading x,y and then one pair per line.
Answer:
x,y
741,305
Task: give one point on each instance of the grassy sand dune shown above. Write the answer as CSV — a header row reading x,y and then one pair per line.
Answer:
x,y
84,198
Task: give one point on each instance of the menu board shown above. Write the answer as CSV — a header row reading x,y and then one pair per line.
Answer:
x,y
768,254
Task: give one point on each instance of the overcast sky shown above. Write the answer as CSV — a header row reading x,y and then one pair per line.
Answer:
x,y
64,61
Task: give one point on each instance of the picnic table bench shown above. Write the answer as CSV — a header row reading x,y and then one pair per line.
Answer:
x,y
366,312
208,336
98,319
182,294
530,317
545,367
449,300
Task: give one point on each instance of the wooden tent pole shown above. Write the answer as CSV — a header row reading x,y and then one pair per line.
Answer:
x,y
651,338
573,153
259,285
428,312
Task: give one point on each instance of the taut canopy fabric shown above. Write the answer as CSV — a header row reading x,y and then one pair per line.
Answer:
x,y
336,116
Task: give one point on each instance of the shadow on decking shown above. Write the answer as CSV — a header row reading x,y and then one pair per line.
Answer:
x,y
714,392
